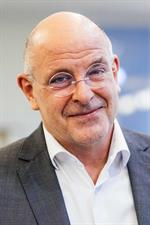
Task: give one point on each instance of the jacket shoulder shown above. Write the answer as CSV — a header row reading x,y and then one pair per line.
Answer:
x,y
26,148
137,139
10,152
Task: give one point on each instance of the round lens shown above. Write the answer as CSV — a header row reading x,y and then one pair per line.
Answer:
x,y
96,71
60,80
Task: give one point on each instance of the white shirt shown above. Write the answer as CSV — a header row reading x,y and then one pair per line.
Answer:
x,y
110,200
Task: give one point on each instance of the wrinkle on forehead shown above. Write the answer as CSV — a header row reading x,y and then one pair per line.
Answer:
x,y
65,32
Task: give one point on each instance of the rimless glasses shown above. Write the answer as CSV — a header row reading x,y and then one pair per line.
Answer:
x,y
63,83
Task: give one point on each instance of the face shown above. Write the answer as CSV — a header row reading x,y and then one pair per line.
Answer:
x,y
86,116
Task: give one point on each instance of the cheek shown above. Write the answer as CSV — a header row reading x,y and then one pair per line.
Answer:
x,y
52,110
112,90
113,100
110,94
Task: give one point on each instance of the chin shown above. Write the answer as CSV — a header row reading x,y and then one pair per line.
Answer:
x,y
90,136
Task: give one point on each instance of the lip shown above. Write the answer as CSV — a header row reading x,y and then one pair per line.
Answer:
x,y
88,114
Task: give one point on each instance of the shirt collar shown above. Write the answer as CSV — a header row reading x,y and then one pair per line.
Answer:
x,y
118,154
56,151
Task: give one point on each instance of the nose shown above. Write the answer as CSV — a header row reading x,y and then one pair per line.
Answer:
x,y
82,93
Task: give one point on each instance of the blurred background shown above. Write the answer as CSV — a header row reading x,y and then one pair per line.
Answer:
x,y
127,22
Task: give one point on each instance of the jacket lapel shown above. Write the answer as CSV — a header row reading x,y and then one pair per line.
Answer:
x,y
39,181
139,172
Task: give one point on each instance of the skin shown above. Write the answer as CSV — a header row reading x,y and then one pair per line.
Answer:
x,y
83,121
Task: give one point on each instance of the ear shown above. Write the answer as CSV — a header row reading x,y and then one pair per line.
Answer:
x,y
115,69
26,85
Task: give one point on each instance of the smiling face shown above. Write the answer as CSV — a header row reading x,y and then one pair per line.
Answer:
x,y
86,116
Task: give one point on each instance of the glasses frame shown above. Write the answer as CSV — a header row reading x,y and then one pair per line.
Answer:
x,y
73,82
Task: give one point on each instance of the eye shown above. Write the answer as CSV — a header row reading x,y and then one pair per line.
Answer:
x,y
96,69
60,80
96,72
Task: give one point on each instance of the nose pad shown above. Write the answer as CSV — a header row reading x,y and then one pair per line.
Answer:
x,y
82,93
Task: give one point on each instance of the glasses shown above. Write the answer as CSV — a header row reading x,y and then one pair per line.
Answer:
x,y
63,83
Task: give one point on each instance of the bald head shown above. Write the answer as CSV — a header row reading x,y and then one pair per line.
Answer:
x,y
61,31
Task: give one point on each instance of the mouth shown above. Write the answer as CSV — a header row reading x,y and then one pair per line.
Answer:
x,y
87,113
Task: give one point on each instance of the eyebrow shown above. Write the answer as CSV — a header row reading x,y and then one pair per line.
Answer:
x,y
100,60
60,70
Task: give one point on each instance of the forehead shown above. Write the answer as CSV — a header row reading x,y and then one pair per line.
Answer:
x,y
49,62
69,40
73,48
51,50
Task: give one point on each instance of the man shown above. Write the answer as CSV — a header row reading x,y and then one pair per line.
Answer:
x,y
78,167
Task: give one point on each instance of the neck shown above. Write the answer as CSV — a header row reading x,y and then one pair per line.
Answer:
x,y
94,157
